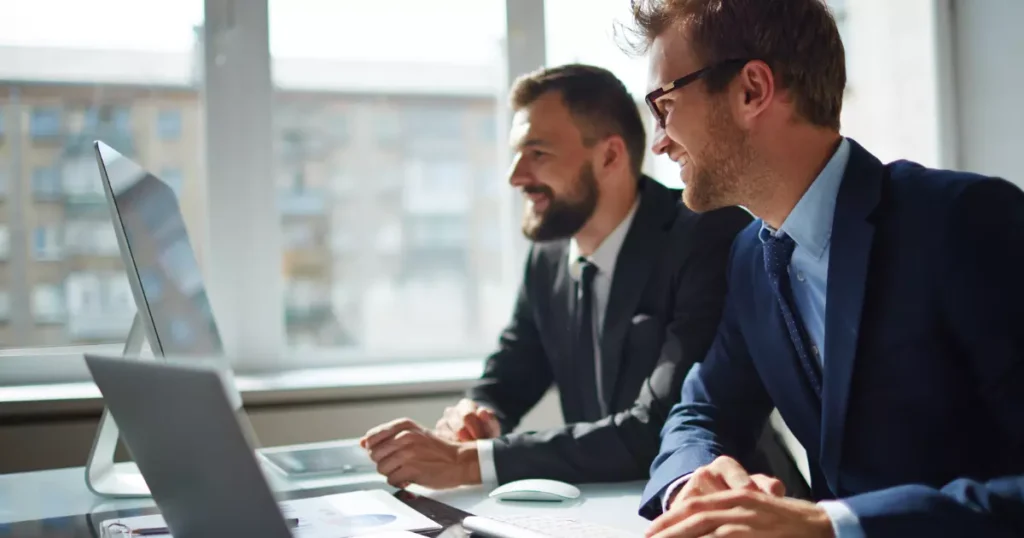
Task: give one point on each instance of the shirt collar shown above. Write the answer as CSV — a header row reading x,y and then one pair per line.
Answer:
x,y
810,222
606,254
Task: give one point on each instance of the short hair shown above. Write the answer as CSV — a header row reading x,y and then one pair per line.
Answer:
x,y
597,100
798,39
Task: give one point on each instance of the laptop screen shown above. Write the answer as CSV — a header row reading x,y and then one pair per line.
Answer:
x,y
162,258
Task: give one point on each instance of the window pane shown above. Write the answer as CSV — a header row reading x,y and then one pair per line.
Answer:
x,y
67,81
891,103
383,147
583,31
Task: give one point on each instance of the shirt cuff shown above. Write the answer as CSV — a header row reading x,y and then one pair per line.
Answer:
x,y
485,456
671,490
845,523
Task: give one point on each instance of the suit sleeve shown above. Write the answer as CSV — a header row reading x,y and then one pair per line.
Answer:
x,y
983,303
722,410
518,374
621,446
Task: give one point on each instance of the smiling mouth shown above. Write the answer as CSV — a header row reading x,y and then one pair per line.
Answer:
x,y
538,200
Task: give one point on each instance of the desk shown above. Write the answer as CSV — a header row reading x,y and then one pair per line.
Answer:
x,y
55,503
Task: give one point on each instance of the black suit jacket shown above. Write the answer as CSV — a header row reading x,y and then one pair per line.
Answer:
x,y
664,305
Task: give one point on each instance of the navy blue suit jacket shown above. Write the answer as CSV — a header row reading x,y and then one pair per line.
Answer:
x,y
920,428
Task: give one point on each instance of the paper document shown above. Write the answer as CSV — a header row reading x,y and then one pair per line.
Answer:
x,y
359,513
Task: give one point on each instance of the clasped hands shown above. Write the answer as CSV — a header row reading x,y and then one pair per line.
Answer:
x,y
407,453
722,499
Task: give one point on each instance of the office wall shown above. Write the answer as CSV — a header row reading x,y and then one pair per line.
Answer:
x,y
66,443
989,74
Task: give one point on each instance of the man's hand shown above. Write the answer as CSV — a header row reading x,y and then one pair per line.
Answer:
x,y
742,513
725,474
468,421
406,454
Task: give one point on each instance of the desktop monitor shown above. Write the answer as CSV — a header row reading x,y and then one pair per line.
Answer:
x,y
161,265
175,312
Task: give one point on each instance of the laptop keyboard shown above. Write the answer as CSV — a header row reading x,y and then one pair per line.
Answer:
x,y
559,527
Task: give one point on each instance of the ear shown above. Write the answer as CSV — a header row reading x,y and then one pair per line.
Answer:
x,y
612,154
754,90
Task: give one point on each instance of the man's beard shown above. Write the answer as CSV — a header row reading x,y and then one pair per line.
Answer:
x,y
720,179
563,216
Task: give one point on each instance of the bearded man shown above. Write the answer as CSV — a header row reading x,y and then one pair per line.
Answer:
x,y
622,291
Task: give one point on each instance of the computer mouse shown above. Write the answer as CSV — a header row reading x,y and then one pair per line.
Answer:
x,y
536,489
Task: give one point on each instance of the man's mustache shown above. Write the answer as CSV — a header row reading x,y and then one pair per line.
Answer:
x,y
539,189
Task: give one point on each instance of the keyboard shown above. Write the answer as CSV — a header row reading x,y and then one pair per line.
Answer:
x,y
540,527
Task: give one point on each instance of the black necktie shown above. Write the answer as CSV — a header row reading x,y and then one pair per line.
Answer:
x,y
778,250
583,343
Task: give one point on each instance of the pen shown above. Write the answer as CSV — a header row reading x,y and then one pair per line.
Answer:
x,y
156,531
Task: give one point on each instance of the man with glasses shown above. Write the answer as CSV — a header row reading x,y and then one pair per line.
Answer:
x,y
622,293
878,306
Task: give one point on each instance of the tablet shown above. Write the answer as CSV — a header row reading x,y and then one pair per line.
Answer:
x,y
323,459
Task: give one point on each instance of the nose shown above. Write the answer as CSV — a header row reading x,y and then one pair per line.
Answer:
x,y
518,172
660,142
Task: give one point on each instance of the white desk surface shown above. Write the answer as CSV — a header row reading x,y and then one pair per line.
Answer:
x,y
62,493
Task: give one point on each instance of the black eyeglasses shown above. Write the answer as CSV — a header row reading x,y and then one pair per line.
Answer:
x,y
652,98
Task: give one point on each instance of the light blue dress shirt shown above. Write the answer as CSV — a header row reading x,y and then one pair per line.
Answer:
x,y
810,226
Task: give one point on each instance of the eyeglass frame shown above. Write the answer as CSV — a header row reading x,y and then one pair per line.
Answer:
x,y
652,98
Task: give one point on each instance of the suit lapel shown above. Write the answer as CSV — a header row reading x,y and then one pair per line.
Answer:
x,y
852,237
636,259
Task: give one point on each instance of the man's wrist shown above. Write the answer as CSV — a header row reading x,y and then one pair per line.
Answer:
x,y
468,460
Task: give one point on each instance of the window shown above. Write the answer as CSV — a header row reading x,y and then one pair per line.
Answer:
x,y
5,306
5,242
386,126
488,129
173,178
92,238
90,119
434,99
438,232
122,118
439,121
584,31
891,101
48,304
45,122
46,243
100,306
168,124
45,183
77,82
438,186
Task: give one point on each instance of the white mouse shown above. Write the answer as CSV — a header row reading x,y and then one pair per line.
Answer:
x,y
536,489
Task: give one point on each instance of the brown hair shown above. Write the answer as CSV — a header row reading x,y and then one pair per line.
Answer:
x,y
598,101
798,39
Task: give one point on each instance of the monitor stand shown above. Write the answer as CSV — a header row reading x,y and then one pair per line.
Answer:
x,y
102,476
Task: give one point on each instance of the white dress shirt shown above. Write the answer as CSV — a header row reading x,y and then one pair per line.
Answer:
x,y
604,259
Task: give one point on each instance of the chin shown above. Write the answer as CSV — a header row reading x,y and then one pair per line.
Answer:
x,y
698,201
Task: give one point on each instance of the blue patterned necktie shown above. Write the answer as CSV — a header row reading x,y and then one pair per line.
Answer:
x,y
778,250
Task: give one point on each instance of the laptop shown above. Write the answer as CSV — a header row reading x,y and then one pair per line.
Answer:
x,y
171,297
193,447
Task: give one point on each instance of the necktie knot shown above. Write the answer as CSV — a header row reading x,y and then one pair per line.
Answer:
x,y
587,272
778,251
